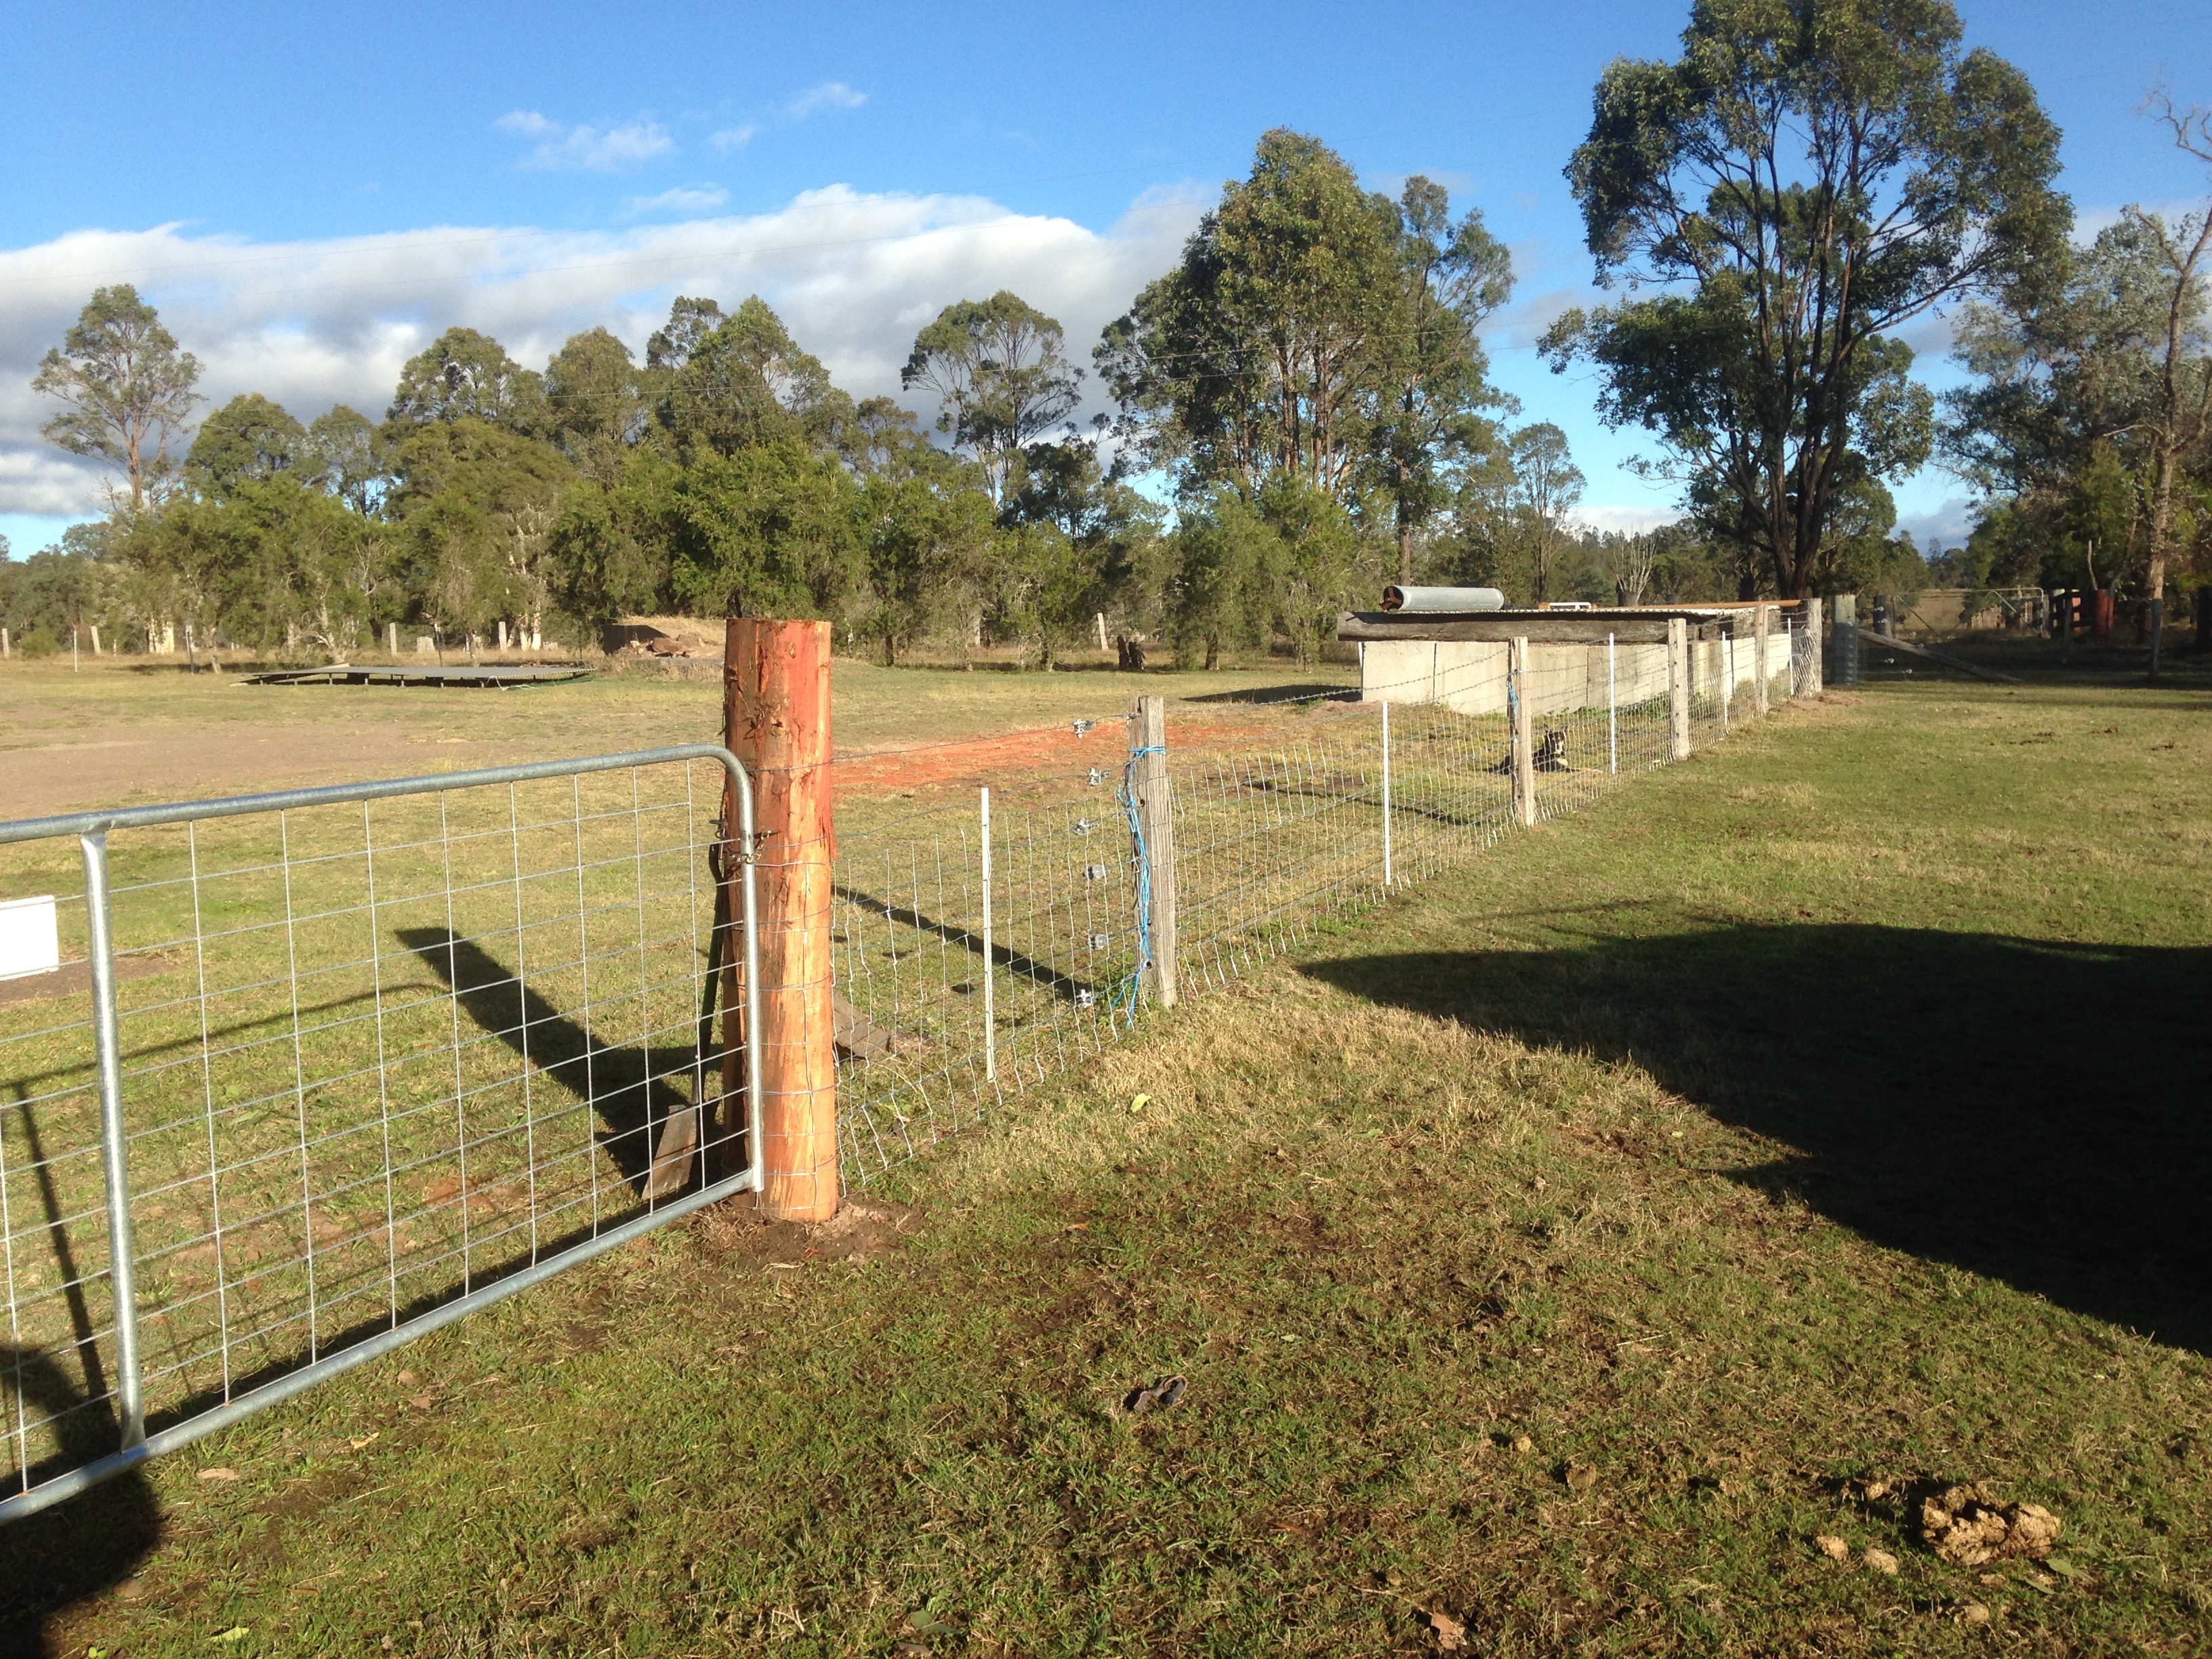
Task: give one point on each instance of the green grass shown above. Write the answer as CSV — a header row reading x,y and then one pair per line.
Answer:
x,y
1828,1107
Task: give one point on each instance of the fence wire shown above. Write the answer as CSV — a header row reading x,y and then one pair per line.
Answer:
x,y
380,1058
1279,825
374,1056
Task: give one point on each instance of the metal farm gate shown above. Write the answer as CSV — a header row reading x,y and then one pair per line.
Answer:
x,y
310,1074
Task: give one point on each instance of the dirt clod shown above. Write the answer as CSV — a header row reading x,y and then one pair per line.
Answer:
x,y
1833,1547
1967,1525
1882,1561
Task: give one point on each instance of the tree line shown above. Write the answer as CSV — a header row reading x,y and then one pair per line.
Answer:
x,y
1301,410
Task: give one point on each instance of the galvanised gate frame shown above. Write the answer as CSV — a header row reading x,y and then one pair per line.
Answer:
x,y
319,1154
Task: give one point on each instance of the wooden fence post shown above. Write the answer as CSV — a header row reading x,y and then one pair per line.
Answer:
x,y
775,685
1149,789
1761,629
1677,686
1811,645
1521,738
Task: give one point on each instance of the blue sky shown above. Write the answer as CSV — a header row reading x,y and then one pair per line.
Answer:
x,y
310,193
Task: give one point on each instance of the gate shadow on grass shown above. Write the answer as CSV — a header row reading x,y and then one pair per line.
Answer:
x,y
85,1546
2034,1111
630,1094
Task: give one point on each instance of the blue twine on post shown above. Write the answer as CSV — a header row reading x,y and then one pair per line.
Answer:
x,y
1128,799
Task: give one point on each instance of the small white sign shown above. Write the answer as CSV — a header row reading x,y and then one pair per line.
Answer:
x,y
30,937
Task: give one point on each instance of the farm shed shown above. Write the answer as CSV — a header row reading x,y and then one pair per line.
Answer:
x,y
1458,658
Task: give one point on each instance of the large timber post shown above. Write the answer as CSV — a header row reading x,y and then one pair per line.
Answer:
x,y
775,682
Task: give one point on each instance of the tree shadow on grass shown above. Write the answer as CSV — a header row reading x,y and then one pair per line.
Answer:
x,y
2031,1111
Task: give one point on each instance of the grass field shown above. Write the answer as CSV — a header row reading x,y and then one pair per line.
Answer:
x,y
130,729
1551,1251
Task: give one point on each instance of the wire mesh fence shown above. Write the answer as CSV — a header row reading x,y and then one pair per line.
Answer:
x,y
317,1073
994,937
308,1076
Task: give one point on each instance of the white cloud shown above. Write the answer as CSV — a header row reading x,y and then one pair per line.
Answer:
x,y
831,95
586,148
730,138
314,323
684,198
1951,523
1628,519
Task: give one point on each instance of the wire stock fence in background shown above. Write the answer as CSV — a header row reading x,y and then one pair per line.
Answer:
x,y
322,1071
991,938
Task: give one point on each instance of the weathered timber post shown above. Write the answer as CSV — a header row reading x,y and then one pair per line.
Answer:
x,y
776,715
1812,645
1521,738
1844,634
1760,631
1677,686
1155,866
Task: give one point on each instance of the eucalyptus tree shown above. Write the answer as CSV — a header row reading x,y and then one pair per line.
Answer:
x,y
465,375
1451,278
1545,486
2089,421
350,457
723,383
248,442
127,386
999,370
1268,350
595,406
1809,176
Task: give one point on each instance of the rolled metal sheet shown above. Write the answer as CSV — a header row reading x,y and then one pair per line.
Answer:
x,y
1443,598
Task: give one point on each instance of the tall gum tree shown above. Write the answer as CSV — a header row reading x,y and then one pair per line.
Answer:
x,y
127,386
1270,349
1000,371
1807,177
1452,278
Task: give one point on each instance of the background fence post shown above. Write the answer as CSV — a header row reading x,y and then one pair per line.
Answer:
x,y
990,962
1386,792
1844,635
777,720
1520,737
1761,631
1612,707
1678,687
1811,645
1148,782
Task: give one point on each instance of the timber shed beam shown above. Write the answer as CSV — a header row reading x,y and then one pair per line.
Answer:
x,y
1538,628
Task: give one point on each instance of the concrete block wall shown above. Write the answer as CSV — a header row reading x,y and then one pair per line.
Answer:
x,y
1470,678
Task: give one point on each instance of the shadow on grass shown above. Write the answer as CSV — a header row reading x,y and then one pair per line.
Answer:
x,y
2026,1110
627,1087
88,1543
1299,693
80,1548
